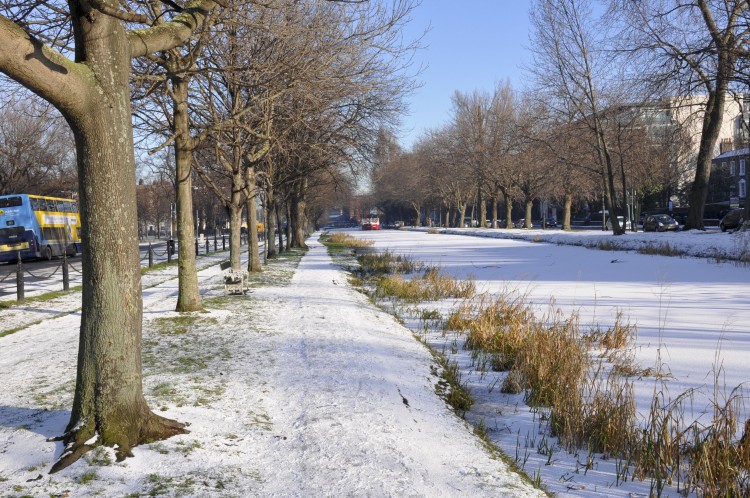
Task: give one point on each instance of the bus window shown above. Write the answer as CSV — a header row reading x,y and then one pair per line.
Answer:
x,y
50,205
10,202
75,207
34,204
61,206
67,207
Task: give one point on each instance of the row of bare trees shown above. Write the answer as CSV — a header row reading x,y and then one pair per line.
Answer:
x,y
35,150
591,61
600,119
504,149
278,100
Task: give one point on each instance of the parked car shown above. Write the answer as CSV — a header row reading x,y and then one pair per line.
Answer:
x,y
620,221
660,223
732,219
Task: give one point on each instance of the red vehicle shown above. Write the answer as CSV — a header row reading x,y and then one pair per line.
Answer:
x,y
371,224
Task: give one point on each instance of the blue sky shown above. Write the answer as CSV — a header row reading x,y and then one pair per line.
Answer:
x,y
472,44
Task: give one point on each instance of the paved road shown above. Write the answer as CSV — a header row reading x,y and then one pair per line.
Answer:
x,y
45,276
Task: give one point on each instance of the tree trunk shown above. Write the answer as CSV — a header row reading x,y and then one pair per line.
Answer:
x,y
270,222
108,407
188,294
494,211
280,227
481,220
710,134
253,260
235,230
529,204
568,206
418,213
288,229
461,215
508,209
298,221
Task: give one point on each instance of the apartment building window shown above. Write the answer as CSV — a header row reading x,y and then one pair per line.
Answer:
x,y
742,189
742,167
731,168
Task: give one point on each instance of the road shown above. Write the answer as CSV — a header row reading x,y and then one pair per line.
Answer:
x,y
45,276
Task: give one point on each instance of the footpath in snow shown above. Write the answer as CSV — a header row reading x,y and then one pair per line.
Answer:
x,y
301,388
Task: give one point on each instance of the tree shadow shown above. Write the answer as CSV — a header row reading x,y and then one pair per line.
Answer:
x,y
47,423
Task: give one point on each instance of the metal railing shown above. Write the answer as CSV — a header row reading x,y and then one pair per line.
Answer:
x,y
65,265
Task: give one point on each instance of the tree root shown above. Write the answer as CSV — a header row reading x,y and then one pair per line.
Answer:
x,y
152,428
71,456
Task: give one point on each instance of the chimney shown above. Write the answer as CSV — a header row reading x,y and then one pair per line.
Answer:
x,y
725,145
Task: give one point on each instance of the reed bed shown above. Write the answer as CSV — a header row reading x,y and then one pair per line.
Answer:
x,y
376,264
430,285
345,240
582,384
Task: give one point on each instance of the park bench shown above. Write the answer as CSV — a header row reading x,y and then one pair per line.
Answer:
x,y
235,281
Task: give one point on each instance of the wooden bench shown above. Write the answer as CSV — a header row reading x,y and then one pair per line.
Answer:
x,y
235,281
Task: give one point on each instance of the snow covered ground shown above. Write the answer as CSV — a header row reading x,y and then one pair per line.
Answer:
x,y
305,388
301,388
691,312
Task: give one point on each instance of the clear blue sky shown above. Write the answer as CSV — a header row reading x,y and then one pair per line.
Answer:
x,y
472,45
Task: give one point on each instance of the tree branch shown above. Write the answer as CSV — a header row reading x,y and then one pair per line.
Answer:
x,y
170,34
42,69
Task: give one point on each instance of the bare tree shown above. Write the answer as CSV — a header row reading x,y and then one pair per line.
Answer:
x,y
504,145
690,47
471,116
331,118
91,91
578,77
568,153
36,150
454,183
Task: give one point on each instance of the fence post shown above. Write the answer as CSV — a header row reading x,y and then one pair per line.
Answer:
x,y
216,247
19,279
66,279
169,250
223,243
208,245
150,256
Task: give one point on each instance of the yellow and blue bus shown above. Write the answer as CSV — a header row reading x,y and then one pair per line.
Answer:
x,y
38,227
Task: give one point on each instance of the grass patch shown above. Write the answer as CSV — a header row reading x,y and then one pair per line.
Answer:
x,y
173,486
373,265
158,266
340,240
100,457
87,477
428,286
662,249
43,298
449,387
605,245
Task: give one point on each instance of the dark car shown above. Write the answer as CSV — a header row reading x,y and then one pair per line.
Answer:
x,y
660,223
732,219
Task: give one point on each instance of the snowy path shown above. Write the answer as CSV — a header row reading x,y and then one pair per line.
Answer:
x,y
358,402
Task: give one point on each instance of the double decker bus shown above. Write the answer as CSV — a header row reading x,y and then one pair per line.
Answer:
x,y
36,226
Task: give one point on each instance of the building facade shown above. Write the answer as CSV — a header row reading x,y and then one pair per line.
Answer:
x,y
729,175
